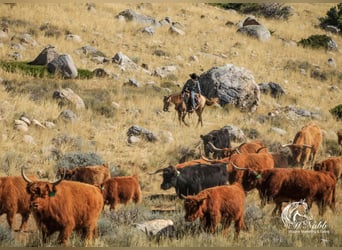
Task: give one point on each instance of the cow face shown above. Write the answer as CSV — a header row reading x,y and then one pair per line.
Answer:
x,y
206,139
317,166
170,175
251,179
192,207
298,153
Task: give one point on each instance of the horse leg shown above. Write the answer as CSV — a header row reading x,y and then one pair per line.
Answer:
x,y
183,119
199,114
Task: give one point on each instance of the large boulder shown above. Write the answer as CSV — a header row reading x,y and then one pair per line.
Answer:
x,y
64,65
253,28
46,56
232,85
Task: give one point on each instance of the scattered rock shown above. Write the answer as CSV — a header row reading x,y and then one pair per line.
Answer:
x,y
232,85
63,65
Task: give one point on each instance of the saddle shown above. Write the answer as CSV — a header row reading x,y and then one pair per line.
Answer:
x,y
187,100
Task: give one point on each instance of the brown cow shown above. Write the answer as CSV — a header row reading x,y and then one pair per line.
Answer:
x,y
293,184
190,163
306,144
332,164
91,174
239,163
246,147
14,199
217,204
121,189
64,206
339,137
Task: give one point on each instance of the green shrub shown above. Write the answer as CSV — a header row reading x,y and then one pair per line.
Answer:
x,y
79,159
337,112
333,17
316,42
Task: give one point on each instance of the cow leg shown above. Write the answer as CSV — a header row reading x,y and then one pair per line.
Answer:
x,y
25,217
199,113
10,218
65,234
226,223
239,224
214,220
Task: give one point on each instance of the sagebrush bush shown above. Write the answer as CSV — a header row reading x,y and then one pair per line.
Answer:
x,y
333,17
316,41
78,159
337,112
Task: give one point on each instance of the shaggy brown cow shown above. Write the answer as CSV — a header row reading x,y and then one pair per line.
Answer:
x,y
239,163
65,206
246,147
121,189
217,204
306,144
14,199
91,174
332,164
339,137
293,184
190,163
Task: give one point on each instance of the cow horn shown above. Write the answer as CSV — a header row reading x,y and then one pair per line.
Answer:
x,y
214,147
60,179
183,196
238,168
206,159
306,145
157,171
286,145
24,176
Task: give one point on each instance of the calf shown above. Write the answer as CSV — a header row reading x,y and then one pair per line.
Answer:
x,y
217,204
121,189
91,174
14,199
331,164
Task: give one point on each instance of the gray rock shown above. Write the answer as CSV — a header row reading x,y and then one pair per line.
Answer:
x,y
148,30
272,88
45,56
131,15
68,116
257,31
69,95
232,85
124,61
175,30
64,65
156,227
139,131
235,133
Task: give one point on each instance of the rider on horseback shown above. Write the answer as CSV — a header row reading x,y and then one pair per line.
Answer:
x,y
192,85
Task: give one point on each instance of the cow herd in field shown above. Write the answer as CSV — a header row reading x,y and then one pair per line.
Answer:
x,y
214,190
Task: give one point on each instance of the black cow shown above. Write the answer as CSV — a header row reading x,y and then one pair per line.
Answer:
x,y
219,138
193,179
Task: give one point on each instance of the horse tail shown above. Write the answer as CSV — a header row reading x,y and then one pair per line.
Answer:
x,y
211,101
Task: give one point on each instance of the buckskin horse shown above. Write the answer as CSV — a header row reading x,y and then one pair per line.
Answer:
x,y
181,106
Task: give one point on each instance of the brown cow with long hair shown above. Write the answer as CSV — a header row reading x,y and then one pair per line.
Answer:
x,y
239,163
65,206
293,184
90,174
14,199
217,204
331,164
121,189
306,144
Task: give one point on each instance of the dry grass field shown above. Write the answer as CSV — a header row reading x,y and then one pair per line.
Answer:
x,y
213,43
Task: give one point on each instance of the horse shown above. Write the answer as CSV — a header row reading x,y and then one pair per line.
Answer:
x,y
181,107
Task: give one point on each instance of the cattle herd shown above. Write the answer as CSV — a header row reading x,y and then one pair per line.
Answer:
x,y
214,190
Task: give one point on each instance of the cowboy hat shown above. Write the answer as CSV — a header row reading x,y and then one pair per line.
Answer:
x,y
194,76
